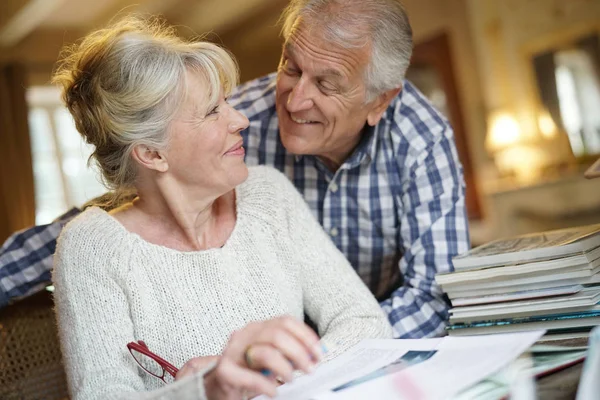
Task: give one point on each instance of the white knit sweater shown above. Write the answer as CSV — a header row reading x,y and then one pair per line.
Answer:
x,y
112,287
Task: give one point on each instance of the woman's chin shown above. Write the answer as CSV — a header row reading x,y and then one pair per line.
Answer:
x,y
239,174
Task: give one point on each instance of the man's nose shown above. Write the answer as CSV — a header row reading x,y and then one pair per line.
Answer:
x,y
300,98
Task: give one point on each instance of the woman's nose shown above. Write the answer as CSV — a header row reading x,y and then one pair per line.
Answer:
x,y
238,121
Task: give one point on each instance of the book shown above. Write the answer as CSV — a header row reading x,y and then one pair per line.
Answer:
x,y
566,339
518,295
552,323
579,271
543,267
509,316
508,287
584,299
542,349
588,297
550,326
552,280
529,247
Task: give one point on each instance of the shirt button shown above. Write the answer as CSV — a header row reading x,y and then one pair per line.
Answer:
x,y
333,232
333,187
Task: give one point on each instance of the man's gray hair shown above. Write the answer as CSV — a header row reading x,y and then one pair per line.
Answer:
x,y
350,24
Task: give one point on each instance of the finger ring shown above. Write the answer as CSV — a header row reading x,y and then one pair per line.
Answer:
x,y
247,356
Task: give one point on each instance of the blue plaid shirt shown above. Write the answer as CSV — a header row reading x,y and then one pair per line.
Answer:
x,y
395,208
26,259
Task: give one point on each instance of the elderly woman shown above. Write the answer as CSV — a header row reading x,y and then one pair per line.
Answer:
x,y
211,258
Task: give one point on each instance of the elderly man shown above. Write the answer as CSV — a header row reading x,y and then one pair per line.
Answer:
x,y
376,163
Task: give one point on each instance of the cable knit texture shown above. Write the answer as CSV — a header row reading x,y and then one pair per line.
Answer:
x,y
112,287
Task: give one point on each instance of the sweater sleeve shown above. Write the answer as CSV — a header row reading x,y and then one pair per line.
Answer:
x,y
95,326
335,298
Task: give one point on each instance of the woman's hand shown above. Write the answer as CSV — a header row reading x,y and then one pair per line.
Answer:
x,y
194,365
279,346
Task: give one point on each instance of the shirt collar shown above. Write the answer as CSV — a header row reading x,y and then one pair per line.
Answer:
x,y
366,147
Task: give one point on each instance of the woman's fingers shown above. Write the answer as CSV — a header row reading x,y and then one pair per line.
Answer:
x,y
296,353
294,340
303,333
194,365
284,333
278,346
228,380
270,361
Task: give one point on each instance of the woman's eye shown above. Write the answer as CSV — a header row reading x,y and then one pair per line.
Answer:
x,y
213,111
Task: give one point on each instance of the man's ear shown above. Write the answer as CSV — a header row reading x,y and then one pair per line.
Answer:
x,y
150,158
380,104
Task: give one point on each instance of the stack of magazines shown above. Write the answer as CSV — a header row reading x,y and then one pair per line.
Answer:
x,y
548,280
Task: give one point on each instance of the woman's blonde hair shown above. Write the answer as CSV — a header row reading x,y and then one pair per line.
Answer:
x,y
123,85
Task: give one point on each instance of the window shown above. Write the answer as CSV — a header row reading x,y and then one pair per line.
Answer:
x,y
568,80
61,176
578,88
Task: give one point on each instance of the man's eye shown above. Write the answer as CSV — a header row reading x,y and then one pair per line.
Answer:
x,y
290,69
327,86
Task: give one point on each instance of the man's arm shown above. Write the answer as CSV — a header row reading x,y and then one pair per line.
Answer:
x,y
26,259
434,228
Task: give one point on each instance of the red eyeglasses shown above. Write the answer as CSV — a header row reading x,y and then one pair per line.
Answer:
x,y
151,363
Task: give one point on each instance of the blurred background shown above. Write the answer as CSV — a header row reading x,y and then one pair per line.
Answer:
x,y
518,79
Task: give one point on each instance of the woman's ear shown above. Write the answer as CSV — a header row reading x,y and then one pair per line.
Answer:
x,y
150,158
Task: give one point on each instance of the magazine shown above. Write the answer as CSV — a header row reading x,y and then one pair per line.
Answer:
x,y
534,246
512,315
541,267
587,297
582,277
405,368
515,296
556,323
510,287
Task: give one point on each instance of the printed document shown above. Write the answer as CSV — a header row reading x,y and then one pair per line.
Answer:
x,y
409,369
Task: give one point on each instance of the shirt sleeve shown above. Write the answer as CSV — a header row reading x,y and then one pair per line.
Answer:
x,y
26,261
26,258
335,298
434,228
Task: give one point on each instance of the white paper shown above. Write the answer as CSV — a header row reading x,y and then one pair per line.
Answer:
x,y
410,369
589,384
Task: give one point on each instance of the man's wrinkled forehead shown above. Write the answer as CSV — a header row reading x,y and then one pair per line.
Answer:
x,y
351,33
312,33
290,50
